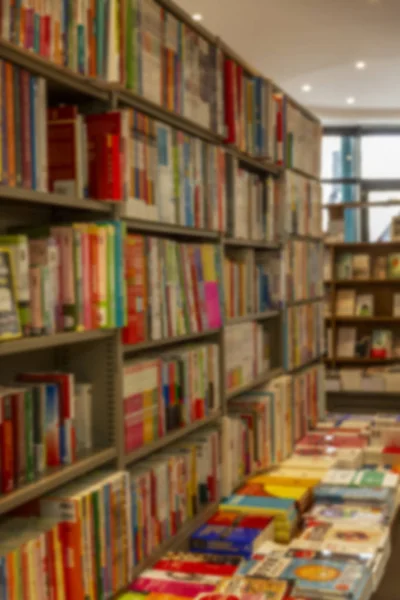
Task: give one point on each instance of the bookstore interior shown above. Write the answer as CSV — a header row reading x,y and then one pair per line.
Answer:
x,y
199,301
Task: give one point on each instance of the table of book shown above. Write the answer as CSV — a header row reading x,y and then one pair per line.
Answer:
x,y
320,526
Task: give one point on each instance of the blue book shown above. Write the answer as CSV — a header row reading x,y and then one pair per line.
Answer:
x,y
328,578
338,494
225,540
283,509
54,432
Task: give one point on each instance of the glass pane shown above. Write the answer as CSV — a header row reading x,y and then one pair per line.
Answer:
x,y
339,157
347,221
379,219
380,157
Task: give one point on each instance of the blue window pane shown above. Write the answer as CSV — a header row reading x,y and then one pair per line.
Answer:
x,y
339,157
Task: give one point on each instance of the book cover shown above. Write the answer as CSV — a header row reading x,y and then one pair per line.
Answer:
x,y
380,267
361,266
345,303
344,266
365,305
381,344
281,508
10,326
394,266
261,588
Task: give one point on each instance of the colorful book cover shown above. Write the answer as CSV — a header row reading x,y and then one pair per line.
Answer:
x,y
226,540
10,326
281,508
327,577
242,588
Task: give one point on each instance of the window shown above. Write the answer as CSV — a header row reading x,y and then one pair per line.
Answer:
x,y
380,157
339,157
380,218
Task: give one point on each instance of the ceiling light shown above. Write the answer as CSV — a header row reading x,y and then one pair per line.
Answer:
x,y
360,64
350,100
306,87
197,17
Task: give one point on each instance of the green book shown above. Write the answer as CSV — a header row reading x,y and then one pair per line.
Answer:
x,y
18,247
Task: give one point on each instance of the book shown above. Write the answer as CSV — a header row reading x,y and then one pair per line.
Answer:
x,y
10,326
230,540
345,303
361,266
346,342
364,305
329,578
350,515
381,344
393,266
380,267
396,305
342,494
243,587
344,266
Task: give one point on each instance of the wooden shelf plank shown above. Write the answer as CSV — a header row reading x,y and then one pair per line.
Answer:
x,y
27,344
166,229
260,380
23,195
258,244
269,314
172,341
54,478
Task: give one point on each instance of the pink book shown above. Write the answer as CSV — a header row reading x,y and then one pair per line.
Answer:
x,y
335,440
87,299
65,241
35,288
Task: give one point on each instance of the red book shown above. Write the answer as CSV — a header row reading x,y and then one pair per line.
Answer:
x,y
196,291
66,385
63,141
6,444
26,129
230,102
135,277
174,565
240,520
104,136
240,137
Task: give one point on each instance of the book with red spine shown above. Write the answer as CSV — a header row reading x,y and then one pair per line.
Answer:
x,y
240,137
230,101
6,443
104,138
94,258
65,162
135,276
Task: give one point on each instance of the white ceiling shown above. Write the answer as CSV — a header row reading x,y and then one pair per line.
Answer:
x,y
317,42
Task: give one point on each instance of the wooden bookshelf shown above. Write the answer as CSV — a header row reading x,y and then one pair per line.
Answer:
x,y
379,290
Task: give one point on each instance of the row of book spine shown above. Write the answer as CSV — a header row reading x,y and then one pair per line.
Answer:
x,y
247,353
23,135
84,539
304,334
146,49
302,205
161,173
167,393
65,278
254,204
173,289
45,421
302,265
252,282
263,426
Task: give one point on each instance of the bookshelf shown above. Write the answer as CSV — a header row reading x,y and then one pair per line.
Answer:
x,y
98,355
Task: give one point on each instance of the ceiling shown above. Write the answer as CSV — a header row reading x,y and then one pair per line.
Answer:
x,y
318,42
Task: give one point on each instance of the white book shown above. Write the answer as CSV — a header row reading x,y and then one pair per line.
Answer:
x,y
84,416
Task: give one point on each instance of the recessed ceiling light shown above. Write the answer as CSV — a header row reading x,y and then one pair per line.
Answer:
x,y
306,87
360,64
350,100
197,17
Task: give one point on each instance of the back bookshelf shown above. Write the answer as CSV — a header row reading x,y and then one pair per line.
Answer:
x,y
194,258
362,322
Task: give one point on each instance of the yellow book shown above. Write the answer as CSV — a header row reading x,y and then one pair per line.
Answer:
x,y
291,477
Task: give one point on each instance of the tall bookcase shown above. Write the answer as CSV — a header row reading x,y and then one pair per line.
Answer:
x,y
99,355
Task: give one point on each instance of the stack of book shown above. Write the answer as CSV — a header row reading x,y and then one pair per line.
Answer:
x,y
232,534
304,334
247,353
45,421
184,575
302,271
170,488
24,156
302,205
252,282
253,214
166,393
64,278
173,289
381,344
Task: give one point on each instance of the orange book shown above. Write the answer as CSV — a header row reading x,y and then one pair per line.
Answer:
x,y
94,262
11,158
